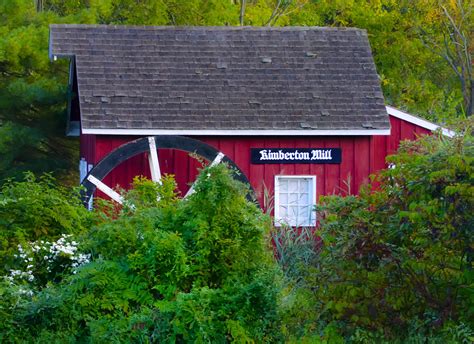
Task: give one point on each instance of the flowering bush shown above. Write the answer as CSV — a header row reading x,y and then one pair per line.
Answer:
x,y
40,262
36,210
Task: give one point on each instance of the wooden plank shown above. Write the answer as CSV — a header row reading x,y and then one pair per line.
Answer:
x,y
378,152
181,162
318,169
346,172
332,171
256,175
419,131
167,160
287,169
407,130
271,170
302,169
242,156
153,161
394,138
227,146
362,161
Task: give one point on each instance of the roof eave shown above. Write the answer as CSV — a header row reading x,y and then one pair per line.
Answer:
x,y
239,132
418,121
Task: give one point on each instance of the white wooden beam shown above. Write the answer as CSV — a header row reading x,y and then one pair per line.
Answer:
x,y
153,161
242,132
216,160
105,189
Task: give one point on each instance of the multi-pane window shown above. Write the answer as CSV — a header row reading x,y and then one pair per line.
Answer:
x,y
295,199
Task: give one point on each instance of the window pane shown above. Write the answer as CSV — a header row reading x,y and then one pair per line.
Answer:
x,y
293,199
304,185
283,185
304,213
293,211
304,199
284,198
293,185
283,211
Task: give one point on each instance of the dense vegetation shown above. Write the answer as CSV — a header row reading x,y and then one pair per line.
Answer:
x,y
393,265
422,50
162,270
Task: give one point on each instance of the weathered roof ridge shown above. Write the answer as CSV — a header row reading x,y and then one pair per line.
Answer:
x,y
205,28
223,78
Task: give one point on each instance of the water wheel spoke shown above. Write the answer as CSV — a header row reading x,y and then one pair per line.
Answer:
x,y
114,195
153,161
216,161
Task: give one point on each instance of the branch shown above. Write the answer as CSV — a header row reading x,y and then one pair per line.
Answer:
x,y
273,13
242,11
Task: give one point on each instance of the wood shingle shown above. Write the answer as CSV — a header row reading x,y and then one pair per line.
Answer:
x,y
223,78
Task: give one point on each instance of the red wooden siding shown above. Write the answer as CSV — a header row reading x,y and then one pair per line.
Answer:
x,y
361,156
88,148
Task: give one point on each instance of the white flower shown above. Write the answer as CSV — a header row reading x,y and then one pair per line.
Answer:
x,y
15,272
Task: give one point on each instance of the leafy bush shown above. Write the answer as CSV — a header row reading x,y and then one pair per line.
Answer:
x,y
37,209
166,270
400,256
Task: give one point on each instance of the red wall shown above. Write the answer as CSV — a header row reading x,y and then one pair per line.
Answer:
x,y
361,156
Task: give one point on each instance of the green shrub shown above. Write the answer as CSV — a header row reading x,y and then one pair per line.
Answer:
x,y
33,210
402,253
167,270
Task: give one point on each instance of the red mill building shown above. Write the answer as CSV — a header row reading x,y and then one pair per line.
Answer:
x,y
298,110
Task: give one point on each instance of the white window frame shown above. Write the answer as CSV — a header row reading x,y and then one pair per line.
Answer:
x,y
278,221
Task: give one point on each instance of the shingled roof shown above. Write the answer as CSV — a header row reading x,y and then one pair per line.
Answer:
x,y
223,80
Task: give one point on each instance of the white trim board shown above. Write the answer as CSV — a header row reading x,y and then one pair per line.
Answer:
x,y
418,121
223,132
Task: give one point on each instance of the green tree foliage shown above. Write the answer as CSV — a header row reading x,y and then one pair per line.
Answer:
x,y
32,95
400,256
163,270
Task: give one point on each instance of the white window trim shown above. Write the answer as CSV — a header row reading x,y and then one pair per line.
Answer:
x,y
277,218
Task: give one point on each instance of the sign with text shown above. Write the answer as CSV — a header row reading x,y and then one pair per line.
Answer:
x,y
296,155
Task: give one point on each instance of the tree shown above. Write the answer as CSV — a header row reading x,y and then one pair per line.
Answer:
x,y
32,95
454,44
